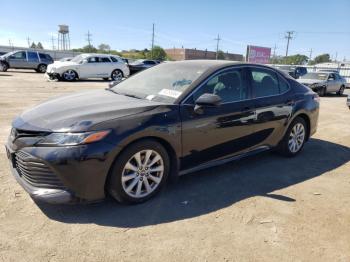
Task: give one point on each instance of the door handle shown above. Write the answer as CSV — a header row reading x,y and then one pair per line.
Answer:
x,y
290,102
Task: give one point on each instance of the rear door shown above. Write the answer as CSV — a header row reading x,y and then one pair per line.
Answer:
x,y
332,85
273,102
105,67
33,60
18,60
221,131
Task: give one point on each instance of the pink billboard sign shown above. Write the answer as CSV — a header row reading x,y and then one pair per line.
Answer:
x,y
258,54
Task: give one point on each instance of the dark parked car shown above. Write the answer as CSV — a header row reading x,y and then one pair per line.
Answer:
x,y
293,71
169,120
26,60
141,64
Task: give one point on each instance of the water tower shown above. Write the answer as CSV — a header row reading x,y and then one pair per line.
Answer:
x,y
63,37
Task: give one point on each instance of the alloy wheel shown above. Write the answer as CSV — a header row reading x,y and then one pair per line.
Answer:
x,y
296,138
42,68
69,75
117,75
143,173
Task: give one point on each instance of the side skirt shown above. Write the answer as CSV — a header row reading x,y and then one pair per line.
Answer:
x,y
223,161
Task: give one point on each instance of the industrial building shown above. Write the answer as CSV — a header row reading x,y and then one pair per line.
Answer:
x,y
188,54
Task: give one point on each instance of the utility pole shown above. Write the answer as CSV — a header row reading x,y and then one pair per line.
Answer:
x,y
53,42
289,36
310,54
88,39
28,41
11,44
217,46
274,51
152,45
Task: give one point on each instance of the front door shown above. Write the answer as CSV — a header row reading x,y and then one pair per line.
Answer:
x,y
220,131
18,60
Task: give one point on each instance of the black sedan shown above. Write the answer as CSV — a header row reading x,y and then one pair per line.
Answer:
x,y
141,64
170,120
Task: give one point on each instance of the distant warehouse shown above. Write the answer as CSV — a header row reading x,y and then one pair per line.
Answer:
x,y
191,54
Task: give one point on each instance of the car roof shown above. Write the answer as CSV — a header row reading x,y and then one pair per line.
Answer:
x,y
98,55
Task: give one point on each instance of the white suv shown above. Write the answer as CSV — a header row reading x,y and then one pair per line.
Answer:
x,y
89,66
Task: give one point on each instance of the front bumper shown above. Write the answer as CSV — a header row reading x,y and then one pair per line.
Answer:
x,y
52,76
76,173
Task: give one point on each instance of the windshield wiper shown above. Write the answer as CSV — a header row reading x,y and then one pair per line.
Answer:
x,y
123,94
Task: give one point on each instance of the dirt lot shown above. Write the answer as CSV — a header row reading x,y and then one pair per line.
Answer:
x,y
264,208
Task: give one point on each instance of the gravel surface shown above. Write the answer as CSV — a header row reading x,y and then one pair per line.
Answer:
x,y
262,208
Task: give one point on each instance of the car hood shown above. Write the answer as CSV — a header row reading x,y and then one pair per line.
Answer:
x,y
310,81
80,111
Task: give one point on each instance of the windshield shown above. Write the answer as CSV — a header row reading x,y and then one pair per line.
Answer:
x,y
8,54
78,58
164,83
317,76
287,68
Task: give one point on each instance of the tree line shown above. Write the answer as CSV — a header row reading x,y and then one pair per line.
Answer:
x,y
300,60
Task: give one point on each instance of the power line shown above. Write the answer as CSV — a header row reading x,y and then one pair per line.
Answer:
x,y
217,46
289,37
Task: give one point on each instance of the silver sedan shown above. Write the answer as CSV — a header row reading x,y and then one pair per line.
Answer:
x,y
324,82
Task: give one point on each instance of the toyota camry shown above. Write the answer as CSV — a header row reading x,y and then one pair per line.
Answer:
x,y
169,120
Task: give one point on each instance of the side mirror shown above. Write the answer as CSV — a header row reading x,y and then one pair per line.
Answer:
x,y
206,100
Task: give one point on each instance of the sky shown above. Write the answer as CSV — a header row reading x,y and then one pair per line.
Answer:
x,y
323,26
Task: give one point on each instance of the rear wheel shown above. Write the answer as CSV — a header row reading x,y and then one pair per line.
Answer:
x,y
69,75
117,75
294,139
139,172
341,90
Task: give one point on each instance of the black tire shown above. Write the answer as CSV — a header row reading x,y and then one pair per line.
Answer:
x,y
322,91
117,75
69,75
4,66
41,68
106,78
114,183
283,147
341,91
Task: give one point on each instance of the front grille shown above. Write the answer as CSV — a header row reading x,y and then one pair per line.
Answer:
x,y
35,172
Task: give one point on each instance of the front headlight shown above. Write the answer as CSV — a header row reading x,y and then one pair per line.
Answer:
x,y
72,139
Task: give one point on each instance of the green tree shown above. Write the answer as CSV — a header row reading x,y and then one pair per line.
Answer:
x,y
39,46
33,45
157,53
104,47
290,60
324,58
221,55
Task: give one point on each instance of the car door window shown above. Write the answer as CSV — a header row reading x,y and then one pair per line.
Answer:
x,y
104,60
331,77
115,60
93,60
264,82
19,55
229,85
33,57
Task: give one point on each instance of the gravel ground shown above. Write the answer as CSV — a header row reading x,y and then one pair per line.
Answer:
x,y
263,208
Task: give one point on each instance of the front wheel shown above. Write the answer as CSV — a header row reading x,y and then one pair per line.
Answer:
x,y
139,172
322,91
341,91
69,75
4,67
294,139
